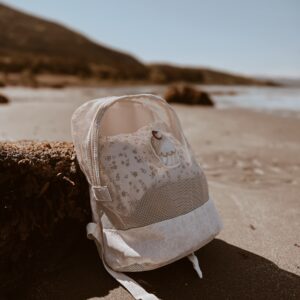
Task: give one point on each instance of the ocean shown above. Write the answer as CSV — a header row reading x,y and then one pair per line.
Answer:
x,y
273,99
45,113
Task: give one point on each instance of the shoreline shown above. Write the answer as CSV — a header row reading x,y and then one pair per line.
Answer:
x,y
36,118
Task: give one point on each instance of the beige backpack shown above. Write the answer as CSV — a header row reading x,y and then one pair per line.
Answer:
x,y
149,197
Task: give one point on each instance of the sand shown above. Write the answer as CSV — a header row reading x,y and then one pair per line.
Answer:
x,y
252,161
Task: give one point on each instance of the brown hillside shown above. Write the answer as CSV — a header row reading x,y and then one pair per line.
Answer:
x,y
31,43
31,48
161,73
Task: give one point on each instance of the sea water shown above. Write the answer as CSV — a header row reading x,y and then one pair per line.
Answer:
x,y
285,99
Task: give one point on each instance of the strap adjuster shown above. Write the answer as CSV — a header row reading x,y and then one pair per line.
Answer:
x,y
101,193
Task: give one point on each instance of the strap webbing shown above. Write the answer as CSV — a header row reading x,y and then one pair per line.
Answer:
x,y
95,233
194,260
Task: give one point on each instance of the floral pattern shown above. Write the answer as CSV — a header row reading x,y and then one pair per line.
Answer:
x,y
130,166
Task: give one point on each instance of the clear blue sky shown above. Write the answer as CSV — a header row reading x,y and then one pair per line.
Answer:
x,y
258,37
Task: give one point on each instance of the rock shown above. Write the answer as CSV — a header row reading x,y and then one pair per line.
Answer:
x,y
3,99
181,93
58,86
41,188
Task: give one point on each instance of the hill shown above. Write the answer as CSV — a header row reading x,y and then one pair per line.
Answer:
x,y
31,43
162,73
34,51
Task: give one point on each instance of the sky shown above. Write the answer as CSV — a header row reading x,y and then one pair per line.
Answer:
x,y
257,37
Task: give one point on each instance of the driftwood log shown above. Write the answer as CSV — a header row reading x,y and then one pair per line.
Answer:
x,y
42,191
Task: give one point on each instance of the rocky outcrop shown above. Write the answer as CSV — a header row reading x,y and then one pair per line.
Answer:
x,y
3,99
41,188
186,94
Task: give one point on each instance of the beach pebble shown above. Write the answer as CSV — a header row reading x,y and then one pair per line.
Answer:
x,y
259,171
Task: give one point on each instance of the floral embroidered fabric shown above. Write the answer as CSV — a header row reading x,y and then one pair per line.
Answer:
x,y
138,177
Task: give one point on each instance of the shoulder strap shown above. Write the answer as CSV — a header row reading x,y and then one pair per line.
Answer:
x,y
94,233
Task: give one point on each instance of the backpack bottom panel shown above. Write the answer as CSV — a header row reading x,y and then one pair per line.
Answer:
x,y
158,244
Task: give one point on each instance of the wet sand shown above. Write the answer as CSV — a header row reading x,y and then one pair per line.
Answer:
x,y
252,162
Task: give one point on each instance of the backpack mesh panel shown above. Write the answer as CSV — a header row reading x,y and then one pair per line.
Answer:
x,y
164,202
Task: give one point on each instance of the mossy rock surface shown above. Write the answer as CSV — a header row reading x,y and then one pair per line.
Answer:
x,y
41,189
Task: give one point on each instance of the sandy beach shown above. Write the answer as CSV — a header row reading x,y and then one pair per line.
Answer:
x,y
253,166
232,75
252,163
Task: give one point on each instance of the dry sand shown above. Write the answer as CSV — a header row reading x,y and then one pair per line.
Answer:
x,y
252,161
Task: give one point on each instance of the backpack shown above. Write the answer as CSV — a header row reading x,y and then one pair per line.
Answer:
x,y
149,197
